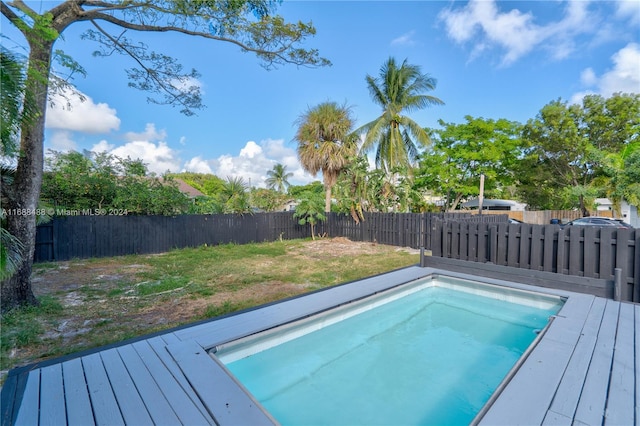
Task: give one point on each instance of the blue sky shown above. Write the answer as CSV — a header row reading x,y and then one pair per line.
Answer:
x,y
491,59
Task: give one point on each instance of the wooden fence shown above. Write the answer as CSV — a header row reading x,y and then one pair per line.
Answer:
x,y
70,237
586,258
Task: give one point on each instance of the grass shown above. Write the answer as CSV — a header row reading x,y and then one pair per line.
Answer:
x,y
90,303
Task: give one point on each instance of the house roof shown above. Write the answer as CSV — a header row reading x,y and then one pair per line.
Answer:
x,y
185,188
491,202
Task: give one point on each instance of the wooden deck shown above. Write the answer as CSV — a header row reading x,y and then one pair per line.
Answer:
x,y
584,369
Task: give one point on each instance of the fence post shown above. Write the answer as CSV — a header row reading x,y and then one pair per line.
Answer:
x,y
617,285
445,239
623,260
493,244
636,267
436,237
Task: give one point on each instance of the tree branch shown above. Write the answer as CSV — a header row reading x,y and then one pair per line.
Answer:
x,y
152,74
12,16
91,16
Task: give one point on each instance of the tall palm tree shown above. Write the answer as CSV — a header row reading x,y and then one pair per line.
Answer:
x,y
325,142
397,90
278,178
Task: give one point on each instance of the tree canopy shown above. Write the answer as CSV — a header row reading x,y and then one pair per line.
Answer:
x,y
104,182
566,145
462,152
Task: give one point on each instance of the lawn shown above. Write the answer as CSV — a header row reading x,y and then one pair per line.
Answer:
x,y
93,302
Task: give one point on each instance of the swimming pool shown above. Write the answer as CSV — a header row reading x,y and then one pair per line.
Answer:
x,y
429,352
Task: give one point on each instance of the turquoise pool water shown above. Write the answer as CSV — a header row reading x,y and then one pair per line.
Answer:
x,y
427,354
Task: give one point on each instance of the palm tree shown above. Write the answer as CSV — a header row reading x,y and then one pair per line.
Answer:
x,y
16,107
235,196
278,178
396,90
325,142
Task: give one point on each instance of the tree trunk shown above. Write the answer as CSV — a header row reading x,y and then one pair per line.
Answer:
x,y
25,189
327,199
583,207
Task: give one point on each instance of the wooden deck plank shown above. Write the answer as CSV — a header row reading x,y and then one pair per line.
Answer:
x,y
159,345
569,322
131,404
556,419
527,397
52,408
29,411
225,399
154,400
77,399
105,407
621,398
591,407
182,404
8,396
570,388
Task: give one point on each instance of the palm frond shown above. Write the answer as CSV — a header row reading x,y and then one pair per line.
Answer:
x,y
398,89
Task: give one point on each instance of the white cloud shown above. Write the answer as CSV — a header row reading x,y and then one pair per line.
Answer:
x,y
159,157
60,140
148,146
255,160
197,165
588,77
404,40
623,77
629,9
188,84
150,134
515,33
250,150
75,111
102,146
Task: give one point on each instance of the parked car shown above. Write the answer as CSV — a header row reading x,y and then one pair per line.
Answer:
x,y
515,221
599,221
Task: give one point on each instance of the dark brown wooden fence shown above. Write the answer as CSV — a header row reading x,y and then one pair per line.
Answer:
x,y
592,253
396,229
70,237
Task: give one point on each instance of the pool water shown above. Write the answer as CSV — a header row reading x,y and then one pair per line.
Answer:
x,y
431,355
